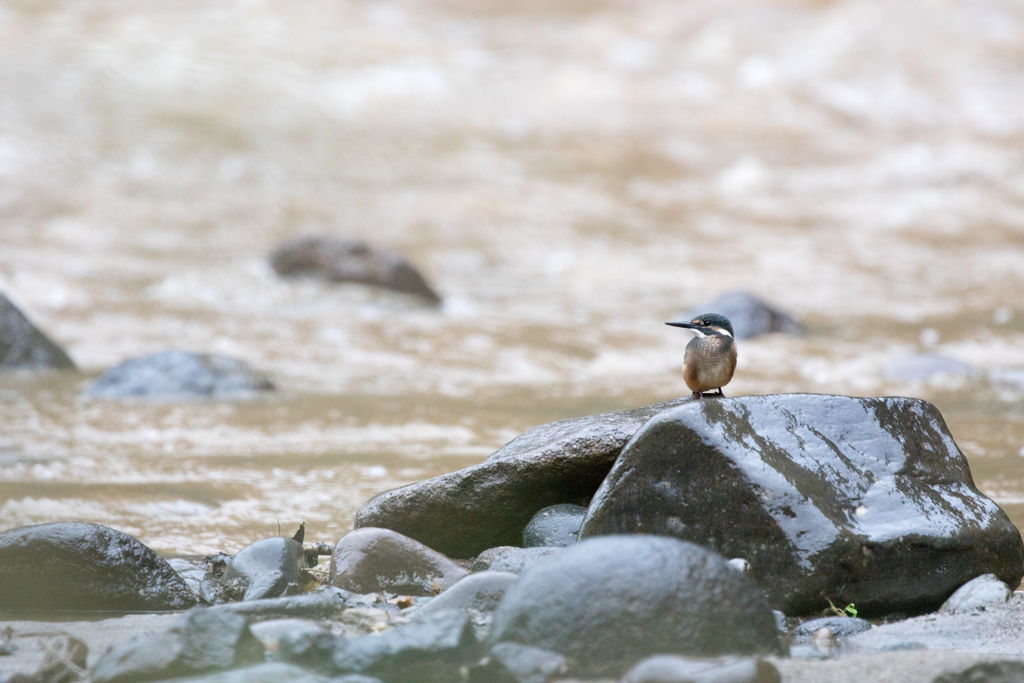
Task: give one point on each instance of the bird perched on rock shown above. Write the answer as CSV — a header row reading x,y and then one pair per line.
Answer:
x,y
710,357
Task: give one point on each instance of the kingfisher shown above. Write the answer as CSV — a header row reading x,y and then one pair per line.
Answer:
x,y
710,357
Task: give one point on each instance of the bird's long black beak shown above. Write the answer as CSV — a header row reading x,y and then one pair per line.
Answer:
x,y
689,326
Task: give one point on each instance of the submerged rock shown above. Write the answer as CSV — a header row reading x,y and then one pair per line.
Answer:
x,y
179,375
978,594
371,560
606,603
463,513
821,494
23,346
511,559
749,315
342,260
266,568
556,525
81,566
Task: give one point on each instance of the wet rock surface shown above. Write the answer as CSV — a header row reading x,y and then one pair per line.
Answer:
x,y
481,592
839,627
82,566
556,525
370,560
977,595
23,346
511,559
989,672
177,374
608,602
463,513
205,640
65,661
750,316
676,669
818,493
514,663
342,260
266,568
324,603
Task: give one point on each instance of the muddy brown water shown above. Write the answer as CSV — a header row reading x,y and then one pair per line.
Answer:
x,y
568,175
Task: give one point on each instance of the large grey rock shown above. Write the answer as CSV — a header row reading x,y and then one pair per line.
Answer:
x,y
265,568
179,374
463,513
371,560
608,602
23,346
977,595
676,669
750,316
81,566
343,260
205,640
556,525
511,559
867,497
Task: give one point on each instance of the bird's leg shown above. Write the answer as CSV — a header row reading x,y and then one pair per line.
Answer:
x,y
720,392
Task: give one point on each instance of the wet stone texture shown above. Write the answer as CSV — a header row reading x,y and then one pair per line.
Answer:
x,y
463,513
266,568
372,560
511,559
606,603
81,566
556,525
343,260
25,347
865,501
179,374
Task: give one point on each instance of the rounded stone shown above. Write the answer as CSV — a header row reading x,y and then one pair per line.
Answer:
x,y
978,594
507,558
179,374
266,567
82,566
608,602
555,525
371,560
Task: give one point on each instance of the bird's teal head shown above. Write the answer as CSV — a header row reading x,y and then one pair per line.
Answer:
x,y
707,323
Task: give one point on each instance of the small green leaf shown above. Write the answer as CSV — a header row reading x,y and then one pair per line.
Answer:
x,y
851,610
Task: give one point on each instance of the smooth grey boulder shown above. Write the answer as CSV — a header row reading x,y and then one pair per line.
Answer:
x,y
23,346
463,513
676,669
514,663
343,260
511,559
1010,671
481,592
371,560
869,497
750,316
176,375
82,566
927,367
606,603
431,650
555,525
265,568
978,594
840,627
205,640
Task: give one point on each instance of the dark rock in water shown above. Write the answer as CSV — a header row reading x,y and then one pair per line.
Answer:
x,y
265,568
64,662
206,640
821,494
675,669
371,560
555,525
1010,671
463,513
23,346
978,594
926,367
429,651
479,592
511,559
606,603
749,315
341,260
840,627
179,374
81,566
325,603
514,663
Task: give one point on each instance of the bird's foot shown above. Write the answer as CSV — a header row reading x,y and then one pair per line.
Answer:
x,y
721,393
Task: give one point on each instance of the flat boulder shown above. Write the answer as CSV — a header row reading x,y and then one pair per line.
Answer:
x,y
858,500
750,315
336,259
371,560
176,375
23,346
82,566
606,603
463,513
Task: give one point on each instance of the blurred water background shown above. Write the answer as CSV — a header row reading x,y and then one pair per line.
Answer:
x,y
569,175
